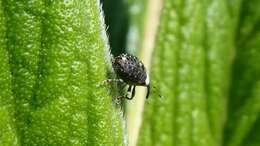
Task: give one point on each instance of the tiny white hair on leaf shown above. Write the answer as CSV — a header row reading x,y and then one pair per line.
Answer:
x,y
108,55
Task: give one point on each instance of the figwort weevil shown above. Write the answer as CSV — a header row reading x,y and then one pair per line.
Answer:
x,y
130,70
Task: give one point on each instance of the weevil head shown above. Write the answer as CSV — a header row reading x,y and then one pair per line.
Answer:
x,y
131,70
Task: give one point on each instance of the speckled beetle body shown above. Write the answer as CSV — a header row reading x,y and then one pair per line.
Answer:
x,y
132,71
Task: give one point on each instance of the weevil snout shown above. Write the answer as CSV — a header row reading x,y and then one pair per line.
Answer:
x,y
148,91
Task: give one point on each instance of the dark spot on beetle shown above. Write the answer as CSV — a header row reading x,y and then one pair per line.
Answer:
x,y
131,70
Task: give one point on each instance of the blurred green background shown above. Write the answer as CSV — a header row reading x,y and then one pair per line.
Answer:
x,y
205,63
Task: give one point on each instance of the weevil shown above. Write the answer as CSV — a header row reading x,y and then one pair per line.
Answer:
x,y
131,71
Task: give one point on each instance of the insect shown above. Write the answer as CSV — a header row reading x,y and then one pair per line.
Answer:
x,y
132,72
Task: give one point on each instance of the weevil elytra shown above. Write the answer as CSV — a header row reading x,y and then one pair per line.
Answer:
x,y
132,72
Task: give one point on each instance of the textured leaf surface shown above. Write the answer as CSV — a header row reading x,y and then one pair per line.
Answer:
x,y
8,134
191,66
57,63
244,106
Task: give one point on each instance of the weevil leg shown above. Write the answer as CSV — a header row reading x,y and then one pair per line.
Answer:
x,y
130,88
133,92
128,98
132,96
120,98
110,81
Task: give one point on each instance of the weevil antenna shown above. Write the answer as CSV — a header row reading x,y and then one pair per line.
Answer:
x,y
157,91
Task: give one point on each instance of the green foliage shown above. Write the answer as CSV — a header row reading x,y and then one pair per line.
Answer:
x,y
244,106
52,55
8,134
137,10
125,21
116,17
192,63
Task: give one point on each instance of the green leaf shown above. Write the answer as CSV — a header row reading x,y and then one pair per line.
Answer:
x,y
244,104
8,134
219,50
24,44
191,66
57,55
